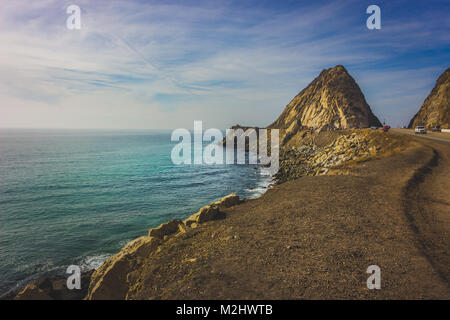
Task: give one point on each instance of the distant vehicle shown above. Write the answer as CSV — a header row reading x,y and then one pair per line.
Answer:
x,y
386,128
436,129
420,129
374,128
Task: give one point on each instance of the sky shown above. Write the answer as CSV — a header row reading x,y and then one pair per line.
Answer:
x,y
163,64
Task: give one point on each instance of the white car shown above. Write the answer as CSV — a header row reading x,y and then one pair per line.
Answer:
x,y
420,129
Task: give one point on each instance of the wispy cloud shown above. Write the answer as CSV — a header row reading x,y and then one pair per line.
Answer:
x,y
137,64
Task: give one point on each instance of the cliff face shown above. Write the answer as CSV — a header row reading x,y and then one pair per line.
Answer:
x,y
331,99
435,110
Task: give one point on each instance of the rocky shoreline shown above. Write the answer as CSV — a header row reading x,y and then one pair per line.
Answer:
x,y
292,242
309,157
114,278
50,287
94,281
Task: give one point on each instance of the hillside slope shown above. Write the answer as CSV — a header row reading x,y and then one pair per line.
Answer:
x,y
435,110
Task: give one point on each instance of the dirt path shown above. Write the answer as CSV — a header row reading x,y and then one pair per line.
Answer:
x,y
428,209
313,238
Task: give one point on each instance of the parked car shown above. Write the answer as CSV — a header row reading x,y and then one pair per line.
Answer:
x,y
420,129
374,128
436,129
386,128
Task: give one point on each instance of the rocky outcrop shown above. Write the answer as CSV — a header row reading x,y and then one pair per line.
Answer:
x,y
435,110
235,137
227,201
332,100
212,211
32,292
119,274
207,213
311,159
115,276
52,287
166,229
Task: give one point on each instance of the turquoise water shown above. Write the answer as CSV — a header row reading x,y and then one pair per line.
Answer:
x,y
76,197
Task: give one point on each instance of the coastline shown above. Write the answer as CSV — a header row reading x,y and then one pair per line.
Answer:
x,y
173,228
274,180
126,274
50,282
289,243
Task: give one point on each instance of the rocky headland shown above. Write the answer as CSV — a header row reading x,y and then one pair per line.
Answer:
x,y
342,201
332,100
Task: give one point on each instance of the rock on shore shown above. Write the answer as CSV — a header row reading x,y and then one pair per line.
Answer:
x,y
119,274
51,288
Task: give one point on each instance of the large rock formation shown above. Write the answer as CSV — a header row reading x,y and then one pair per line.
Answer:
x,y
333,99
435,110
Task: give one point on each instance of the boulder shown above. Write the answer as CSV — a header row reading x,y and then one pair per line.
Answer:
x,y
227,201
207,213
110,281
166,229
212,211
32,292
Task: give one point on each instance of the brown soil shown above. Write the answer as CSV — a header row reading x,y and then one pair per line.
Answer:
x,y
314,237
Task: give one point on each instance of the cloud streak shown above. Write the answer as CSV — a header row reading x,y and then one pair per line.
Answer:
x,y
158,64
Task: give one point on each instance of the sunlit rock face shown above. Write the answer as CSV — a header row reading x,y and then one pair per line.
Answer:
x,y
435,110
332,100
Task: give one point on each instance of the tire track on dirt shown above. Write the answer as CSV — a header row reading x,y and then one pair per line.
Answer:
x,y
412,208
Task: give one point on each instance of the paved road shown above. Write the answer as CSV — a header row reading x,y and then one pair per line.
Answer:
x,y
443,137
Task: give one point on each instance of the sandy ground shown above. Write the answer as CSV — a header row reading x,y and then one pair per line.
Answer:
x,y
313,238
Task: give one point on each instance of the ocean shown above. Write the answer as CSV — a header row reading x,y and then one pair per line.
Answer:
x,y
78,196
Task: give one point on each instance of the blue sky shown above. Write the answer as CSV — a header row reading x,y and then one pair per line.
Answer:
x,y
164,64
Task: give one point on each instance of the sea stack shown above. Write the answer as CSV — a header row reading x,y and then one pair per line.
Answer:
x,y
435,110
333,99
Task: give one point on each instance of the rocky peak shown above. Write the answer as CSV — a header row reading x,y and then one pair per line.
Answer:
x,y
435,110
333,99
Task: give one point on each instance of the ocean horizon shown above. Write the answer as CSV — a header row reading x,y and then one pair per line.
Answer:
x,y
76,196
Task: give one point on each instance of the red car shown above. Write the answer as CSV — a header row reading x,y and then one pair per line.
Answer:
x,y
386,128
